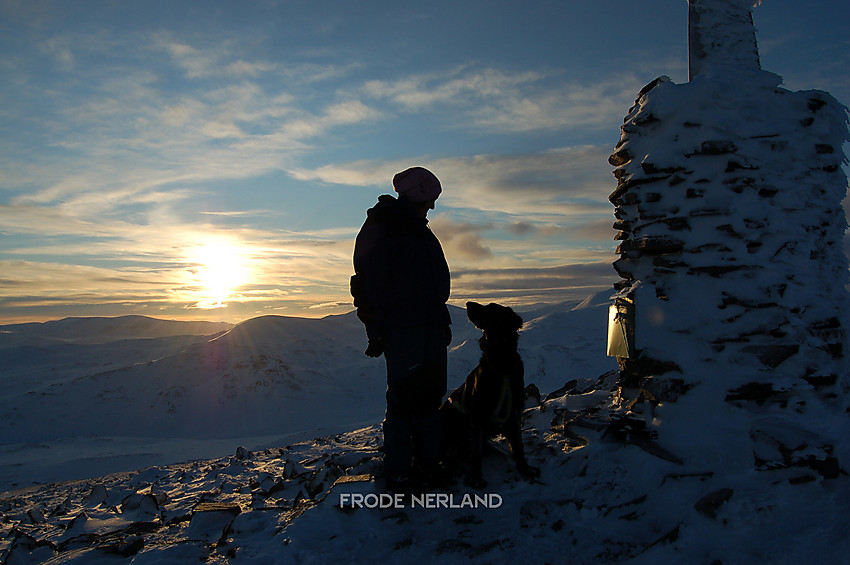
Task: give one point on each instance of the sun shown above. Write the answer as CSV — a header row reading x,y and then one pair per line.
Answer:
x,y
221,270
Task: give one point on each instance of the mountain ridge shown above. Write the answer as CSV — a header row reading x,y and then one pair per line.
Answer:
x,y
264,377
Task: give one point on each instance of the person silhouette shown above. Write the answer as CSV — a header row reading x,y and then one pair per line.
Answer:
x,y
400,288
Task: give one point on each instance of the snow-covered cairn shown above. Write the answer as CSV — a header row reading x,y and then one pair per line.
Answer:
x,y
729,213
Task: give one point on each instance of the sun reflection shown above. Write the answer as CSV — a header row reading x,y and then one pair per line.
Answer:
x,y
222,269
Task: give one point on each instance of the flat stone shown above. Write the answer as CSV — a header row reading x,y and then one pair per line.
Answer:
x,y
710,503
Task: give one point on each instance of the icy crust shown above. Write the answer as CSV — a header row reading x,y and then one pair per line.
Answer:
x,y
729,209
601,498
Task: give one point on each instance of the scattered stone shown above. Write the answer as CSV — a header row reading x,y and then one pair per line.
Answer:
x,y
36,516
141,507
468,519
532,396
25,549
667,390
323,478
753,392
821,381
453,545
785,447
716,147
655,245
210,520
710,503
96,497
124,548
716,270
772,355
621,157
487,547
669,537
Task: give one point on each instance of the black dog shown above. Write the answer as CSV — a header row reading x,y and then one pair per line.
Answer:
x,y
492,398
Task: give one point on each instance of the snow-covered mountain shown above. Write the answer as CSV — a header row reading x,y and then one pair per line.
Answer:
x,y
76,404
102,330
262,445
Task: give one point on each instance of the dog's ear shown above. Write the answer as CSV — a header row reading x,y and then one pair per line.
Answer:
x,y
504,317
475,313
516,320
493,316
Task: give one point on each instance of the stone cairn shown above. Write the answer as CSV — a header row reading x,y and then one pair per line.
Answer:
x,y
730,222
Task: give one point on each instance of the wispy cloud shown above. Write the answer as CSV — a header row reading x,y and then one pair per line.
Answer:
x,y
158,267
559,182
137,146
457,87
497,100
510,222
211,60
529,285
462,240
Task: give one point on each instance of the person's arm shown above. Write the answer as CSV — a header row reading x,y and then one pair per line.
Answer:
x,y
370,267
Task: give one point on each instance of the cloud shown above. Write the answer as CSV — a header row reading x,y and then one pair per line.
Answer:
x,y
242,68
32,281
221,129
505,220
131,145
59,48
599,229
362,173
567,107
231,58
210,61
154,139
550,185
461,240
457,87
347,113
521,228
559,181
502,101
156,268
514,286
140,145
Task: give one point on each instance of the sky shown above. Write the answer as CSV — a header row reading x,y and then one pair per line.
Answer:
x,y
213,159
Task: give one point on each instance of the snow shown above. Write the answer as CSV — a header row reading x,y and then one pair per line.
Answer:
x,y
278,501
741,180
80,409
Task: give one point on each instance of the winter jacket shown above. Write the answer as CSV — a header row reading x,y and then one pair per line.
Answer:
x,y
401,275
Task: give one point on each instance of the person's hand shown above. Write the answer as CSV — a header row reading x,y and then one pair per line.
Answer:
x,y
375,347
448,336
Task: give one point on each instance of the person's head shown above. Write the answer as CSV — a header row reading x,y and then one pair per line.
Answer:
x,y
419,186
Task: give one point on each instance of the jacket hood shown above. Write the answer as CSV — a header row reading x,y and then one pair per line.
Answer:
x,y
390,208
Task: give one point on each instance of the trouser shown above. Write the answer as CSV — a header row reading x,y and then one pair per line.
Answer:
x,y
416,382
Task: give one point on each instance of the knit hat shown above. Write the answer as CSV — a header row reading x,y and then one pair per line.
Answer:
x,y
417,184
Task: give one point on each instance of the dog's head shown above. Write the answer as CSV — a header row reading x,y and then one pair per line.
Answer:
x,y
494,319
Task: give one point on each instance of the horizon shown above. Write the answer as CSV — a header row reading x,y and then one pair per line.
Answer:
x,y
520,308
214,161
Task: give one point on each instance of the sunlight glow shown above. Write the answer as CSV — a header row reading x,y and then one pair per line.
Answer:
x,y
222,269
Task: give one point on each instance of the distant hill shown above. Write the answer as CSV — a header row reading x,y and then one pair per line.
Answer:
x,y
79,389
103,330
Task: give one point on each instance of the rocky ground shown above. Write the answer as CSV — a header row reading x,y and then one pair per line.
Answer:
x,y
608,493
